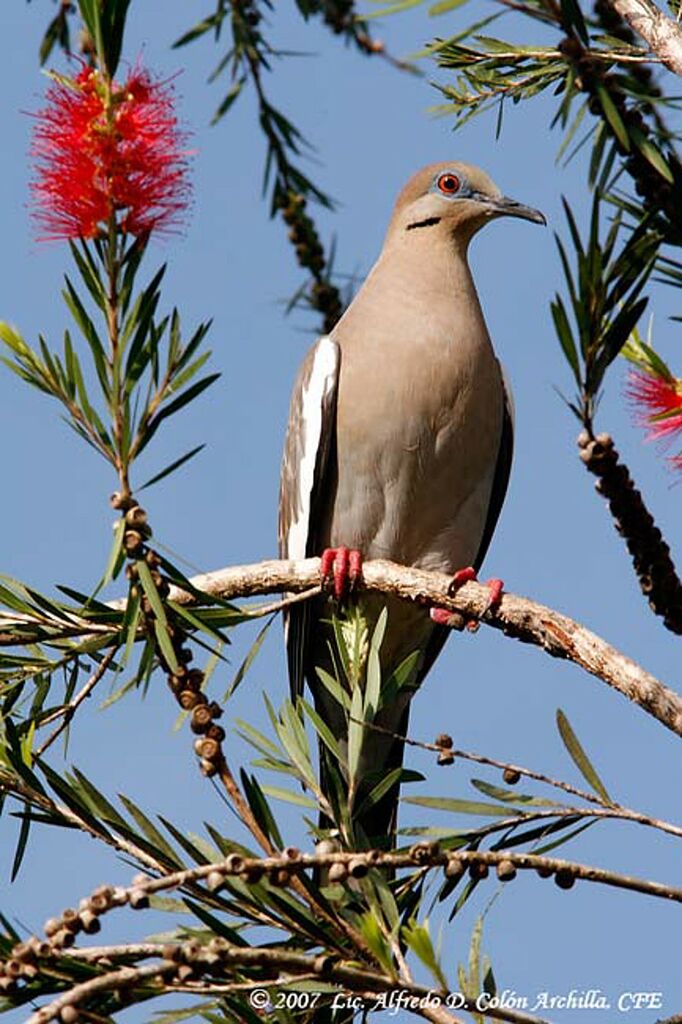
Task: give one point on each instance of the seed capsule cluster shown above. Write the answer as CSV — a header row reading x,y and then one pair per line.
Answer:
x,y
60,934
324,296
655,570
185,683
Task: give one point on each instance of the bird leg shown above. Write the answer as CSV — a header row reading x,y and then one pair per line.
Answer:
x,y
341,570
444,617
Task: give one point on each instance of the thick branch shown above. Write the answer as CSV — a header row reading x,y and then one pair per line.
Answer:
x,y
663,34
518,617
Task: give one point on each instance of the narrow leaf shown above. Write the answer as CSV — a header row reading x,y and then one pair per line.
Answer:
x,y
579,757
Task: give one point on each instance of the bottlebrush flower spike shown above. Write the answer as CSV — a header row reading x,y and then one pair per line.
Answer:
x,y
658,403
108,155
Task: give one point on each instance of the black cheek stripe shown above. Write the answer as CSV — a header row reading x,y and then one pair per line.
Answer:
x,y
423,223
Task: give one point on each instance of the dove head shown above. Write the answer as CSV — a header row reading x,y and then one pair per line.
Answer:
x,y
453,197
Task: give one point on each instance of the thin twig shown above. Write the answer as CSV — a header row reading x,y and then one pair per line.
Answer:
x,y
287,602
15,787
69,710
609,809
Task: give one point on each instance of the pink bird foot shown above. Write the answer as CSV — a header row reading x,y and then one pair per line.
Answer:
x,y
444,617
341,570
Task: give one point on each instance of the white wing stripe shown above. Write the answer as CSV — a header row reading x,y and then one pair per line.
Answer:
x,y
320,384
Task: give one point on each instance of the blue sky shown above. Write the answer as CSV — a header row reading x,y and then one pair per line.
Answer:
x,y
371,128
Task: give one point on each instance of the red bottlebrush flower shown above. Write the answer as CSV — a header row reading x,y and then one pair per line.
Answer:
x,y
658,401
108,152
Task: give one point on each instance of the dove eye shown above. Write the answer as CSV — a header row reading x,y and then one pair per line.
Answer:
x,y
449,184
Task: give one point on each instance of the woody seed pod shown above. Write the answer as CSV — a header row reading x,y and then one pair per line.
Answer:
x,y
337,872
90,922
454,869
216,732
564,878
201,718
506,871
358,867
478,870
207,749
188,699
139,900
215,880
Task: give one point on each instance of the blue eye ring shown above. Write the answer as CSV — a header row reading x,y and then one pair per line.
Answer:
x,y
448,183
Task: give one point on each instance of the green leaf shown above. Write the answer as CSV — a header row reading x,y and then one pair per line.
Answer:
x,y
97,802
322,729
475,956
89,332
613,117
445,6
160,619
653,154
250,657
258,739
178,403
562,840
89,273
579,757
572,16
200,619
337,691
392,778
373,674
194,33
21,842
417,938
565,336
290,796
442,803
356,732
172,467
377,941
161,845
230,97
511,796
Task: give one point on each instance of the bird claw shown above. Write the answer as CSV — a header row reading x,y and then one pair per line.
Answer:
x,y
495,591
341,570
445,617
461,577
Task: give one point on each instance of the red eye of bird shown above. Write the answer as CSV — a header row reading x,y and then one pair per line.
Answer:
x,y
448,184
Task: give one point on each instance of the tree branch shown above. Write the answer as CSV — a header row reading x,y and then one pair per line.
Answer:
x,y
516,616
661,33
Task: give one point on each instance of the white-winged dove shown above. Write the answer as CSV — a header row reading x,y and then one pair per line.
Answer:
x,y
399,446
